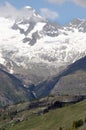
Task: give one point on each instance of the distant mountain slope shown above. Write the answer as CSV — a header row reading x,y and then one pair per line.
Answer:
x,y
71,81
12,90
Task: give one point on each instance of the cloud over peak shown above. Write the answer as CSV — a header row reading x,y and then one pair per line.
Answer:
x,y
9,11
49,14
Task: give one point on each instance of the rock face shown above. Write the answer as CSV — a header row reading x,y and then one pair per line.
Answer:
x,y
33,49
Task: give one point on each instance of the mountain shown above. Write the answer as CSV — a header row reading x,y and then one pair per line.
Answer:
x,y
72,81
34,49
79,24
12,90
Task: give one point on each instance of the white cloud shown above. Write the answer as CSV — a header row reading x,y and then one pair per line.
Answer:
x,y
49,14
78,2
8,10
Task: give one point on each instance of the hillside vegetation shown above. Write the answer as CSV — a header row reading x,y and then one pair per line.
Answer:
x,y
57,119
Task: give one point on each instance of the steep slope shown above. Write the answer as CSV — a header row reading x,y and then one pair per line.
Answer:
x,y
71,81
12,90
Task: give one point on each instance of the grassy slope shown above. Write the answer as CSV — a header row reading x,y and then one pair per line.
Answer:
x,y
63,117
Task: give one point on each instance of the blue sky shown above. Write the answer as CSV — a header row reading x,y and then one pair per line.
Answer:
x,y
61,11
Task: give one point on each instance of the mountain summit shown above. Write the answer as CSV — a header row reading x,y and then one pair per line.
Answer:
x,y
79,24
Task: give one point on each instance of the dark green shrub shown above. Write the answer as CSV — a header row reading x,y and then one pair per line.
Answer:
x,y
2,128
78,123
60,128
85,120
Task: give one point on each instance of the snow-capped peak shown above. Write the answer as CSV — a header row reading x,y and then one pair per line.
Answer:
x,y
77,23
